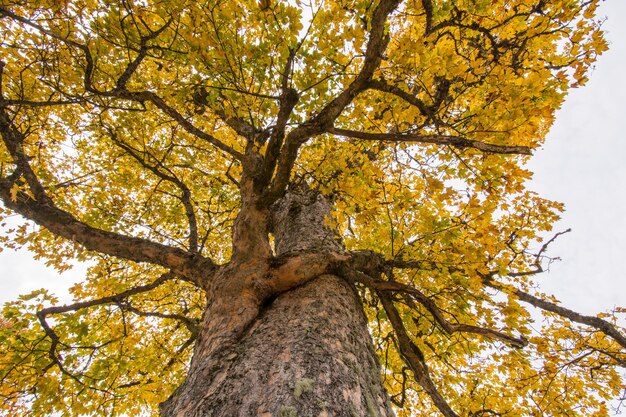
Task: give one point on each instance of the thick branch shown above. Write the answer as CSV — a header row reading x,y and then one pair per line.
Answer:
x,y
292,270
413,356
288,100
239,125
43,211
65,225
376,45
428,10
383,86
13,140
455,141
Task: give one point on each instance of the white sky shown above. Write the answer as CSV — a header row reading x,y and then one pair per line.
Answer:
x,y
583,164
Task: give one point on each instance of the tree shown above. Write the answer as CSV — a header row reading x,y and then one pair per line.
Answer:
x,y
276,198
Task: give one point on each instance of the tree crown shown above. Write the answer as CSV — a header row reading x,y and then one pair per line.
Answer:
x,y
150,137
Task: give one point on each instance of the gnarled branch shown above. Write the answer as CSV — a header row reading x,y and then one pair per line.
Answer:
x,y
42,210
65,225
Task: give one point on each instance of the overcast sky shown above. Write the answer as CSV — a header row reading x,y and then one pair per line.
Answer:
x,y
582,164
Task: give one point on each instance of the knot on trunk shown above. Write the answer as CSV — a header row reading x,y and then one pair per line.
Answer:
x,y
299,222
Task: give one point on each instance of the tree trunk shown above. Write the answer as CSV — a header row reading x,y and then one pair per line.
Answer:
x,y
306,352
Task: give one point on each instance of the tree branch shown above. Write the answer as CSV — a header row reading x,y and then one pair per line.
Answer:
x,y
413,356
325,118
120,90
185,198
428,11
376,45
193,267
293,269
143,52
190,324
288,100
43,211
116,298
143,96
239,125
13,140
595,322
392,286
455,141
65,225
87,81
385,87
48,103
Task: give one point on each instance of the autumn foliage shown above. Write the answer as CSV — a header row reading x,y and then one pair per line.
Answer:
x,y
136,133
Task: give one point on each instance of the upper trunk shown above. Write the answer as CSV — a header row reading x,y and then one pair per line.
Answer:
x,y
299,223
303,352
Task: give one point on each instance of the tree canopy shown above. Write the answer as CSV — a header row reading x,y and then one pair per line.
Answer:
x,y
136,132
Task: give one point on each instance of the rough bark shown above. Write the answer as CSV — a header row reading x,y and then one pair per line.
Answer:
x,y
307,354
299,223
305,351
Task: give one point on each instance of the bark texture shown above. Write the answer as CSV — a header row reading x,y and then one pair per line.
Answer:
x,y
307,354
299,223
304,351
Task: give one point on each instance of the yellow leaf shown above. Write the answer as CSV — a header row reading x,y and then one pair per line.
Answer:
x,y
13,192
